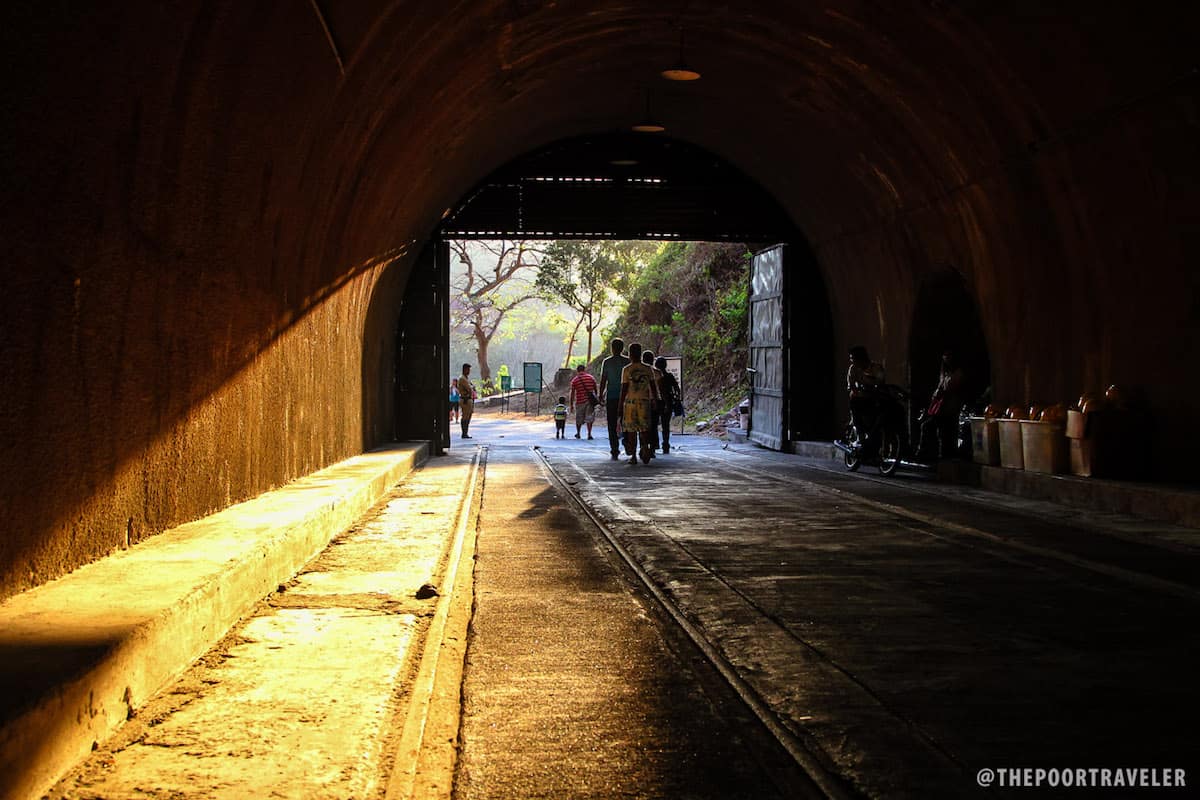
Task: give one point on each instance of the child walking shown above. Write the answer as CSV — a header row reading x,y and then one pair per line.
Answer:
x,y
560,419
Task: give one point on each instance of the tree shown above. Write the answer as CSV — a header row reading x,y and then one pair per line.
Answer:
x,y
492,281
589,278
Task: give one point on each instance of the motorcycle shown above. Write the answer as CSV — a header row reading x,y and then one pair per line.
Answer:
x,y
881,439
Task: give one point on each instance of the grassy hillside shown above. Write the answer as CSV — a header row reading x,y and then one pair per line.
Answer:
x,y
690,301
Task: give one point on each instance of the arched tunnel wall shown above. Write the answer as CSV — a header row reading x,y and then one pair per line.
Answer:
x,y
186,296
208,204
1079,283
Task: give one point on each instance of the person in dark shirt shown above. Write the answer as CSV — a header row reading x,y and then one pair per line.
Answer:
x,y
668,388
656,408
939,422
610,393
466,395
863,378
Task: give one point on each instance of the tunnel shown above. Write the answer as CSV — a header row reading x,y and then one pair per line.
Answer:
x,y
218,216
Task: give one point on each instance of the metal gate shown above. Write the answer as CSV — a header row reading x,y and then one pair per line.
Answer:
x,y
768,349
423,352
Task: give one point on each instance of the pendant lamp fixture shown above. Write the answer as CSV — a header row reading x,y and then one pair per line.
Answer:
x,y
648,123
681,71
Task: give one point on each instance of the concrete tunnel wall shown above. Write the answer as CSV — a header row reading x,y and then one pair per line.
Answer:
x,y
211,208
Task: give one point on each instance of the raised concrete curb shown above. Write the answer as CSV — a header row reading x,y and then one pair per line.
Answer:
x,y
1151,501
1158,502
80,654
817,450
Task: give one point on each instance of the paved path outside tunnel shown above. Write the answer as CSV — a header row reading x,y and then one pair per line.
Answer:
x,y
910,633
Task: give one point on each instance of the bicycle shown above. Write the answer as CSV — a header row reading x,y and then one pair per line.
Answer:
x,y
883,441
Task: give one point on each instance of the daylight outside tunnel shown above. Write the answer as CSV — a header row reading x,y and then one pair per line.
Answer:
x,y
616,186
216,214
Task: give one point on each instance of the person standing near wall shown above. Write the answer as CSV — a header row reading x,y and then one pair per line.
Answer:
x,y
939,421
610,393
466,399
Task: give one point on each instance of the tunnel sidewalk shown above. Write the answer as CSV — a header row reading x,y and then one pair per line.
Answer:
x,y
79,654
1161,502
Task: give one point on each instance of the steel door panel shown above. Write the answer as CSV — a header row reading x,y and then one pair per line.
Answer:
x,y
768,348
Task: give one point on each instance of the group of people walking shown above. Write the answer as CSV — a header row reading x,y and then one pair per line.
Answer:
x,y
640,396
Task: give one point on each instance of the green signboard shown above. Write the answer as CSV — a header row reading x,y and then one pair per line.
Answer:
x,y
533,377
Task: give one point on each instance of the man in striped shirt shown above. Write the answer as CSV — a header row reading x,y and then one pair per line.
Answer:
x,y
583,392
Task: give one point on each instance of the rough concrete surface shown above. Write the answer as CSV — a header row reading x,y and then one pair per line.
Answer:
x,y
300,700
907,648
81,652
907,634
570,689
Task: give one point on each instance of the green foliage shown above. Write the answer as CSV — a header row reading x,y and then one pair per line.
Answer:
x,y
733,306
704,286
580,274
593,279
659,271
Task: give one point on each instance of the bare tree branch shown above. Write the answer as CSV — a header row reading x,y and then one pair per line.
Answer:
x,y
478,303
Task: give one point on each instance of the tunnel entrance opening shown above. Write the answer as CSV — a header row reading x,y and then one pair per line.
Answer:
x,y
946,317
619,186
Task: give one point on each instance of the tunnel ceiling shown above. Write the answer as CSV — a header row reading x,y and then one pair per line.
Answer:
x,y
619,186
347,129
849,114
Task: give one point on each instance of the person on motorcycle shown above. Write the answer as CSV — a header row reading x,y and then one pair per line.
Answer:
x,y
863,379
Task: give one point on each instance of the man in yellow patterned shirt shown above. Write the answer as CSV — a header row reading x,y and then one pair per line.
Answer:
x,y
639,392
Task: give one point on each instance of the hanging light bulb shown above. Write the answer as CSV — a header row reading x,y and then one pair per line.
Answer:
x,y
648,123
681,71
